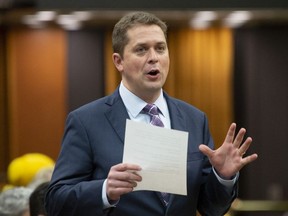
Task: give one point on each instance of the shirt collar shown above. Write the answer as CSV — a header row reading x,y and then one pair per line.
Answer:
x,y
134,104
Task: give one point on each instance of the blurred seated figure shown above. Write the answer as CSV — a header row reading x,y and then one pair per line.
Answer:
x,y
37,198
30,170
15,202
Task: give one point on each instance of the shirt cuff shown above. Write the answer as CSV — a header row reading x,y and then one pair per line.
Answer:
x,y
227,183
106,203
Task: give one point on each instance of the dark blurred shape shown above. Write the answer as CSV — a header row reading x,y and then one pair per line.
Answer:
x,y
13,4
37,199
161,4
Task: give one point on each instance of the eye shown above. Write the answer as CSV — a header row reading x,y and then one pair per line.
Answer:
x,y
161,48
140,50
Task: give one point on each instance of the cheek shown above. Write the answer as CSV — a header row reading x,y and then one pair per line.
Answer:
x,y
133,66
166,64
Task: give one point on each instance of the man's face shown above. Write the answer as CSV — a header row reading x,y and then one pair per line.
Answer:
x,y
145,62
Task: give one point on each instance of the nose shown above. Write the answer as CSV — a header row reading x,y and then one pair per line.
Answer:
x,y
153,56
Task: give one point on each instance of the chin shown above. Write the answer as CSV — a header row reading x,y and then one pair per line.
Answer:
x,y
155,89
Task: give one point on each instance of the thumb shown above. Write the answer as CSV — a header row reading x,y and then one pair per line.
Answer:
x,y
206,150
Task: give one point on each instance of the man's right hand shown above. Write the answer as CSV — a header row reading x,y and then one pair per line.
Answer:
x,y
122,178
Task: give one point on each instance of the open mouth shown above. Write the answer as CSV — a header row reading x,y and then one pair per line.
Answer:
x,y
153,72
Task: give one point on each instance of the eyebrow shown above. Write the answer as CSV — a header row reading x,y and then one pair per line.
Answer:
x,y
158,43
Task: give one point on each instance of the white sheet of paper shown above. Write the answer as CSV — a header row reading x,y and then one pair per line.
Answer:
x,y
162,155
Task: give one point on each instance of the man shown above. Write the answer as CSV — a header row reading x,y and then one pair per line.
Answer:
x,y
90,178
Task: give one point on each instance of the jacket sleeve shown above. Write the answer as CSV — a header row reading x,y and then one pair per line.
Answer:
x,y
214,199
72,190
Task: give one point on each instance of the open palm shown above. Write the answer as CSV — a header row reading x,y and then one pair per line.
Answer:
x,y
228,159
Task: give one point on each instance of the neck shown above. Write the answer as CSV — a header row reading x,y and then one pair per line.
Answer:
x,y
150,98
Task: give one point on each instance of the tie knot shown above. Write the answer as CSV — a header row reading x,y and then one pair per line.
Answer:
x,y
151,109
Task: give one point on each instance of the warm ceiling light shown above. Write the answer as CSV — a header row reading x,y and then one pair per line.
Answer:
x,y
203,19
32,21
237,18
206,15
199,24
38,20
69,22
46,15
83,15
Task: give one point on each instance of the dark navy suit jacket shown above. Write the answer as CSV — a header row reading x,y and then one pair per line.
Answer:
x,y
93,142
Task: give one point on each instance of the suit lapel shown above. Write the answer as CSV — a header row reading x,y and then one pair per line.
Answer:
x,y
177,120
117,114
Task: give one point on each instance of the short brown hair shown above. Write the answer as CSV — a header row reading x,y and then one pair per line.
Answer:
x,y
119,35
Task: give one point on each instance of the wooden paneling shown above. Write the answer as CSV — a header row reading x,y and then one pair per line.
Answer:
x,y
201,74
36,90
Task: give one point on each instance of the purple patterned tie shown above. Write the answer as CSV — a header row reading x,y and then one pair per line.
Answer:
x,y
152,111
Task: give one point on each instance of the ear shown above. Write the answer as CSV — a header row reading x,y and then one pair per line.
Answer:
x,y
117,59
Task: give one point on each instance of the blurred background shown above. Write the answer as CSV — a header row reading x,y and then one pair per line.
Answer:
x,y
228,58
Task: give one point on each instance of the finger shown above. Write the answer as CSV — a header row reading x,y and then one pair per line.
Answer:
x,y
245,146
230,134
239,137
125,167
115,188
206,150
133,176
113,183
120,191
124,176
249,159
114,192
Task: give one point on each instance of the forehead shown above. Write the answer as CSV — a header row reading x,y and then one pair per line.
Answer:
x,y
146,33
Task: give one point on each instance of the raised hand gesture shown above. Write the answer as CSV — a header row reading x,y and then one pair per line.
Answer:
x,y
229,158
